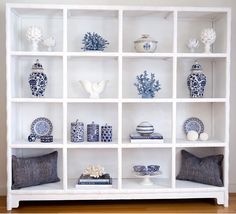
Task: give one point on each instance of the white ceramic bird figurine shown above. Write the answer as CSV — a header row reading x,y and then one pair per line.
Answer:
x,y
94,88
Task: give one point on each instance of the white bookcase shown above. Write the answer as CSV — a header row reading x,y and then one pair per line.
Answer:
x,y
119,105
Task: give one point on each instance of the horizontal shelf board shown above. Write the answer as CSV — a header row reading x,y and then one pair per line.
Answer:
x,y
38,53
56,187
113,144
36,100
208,143
87,100
73,181
147,55
127,144
37,144
92,54
154,100
201,100
135,184
202,55
194,186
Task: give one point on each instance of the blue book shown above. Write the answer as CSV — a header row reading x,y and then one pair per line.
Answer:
x,y
154,136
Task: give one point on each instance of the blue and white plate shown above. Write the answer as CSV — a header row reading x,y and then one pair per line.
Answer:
x,y
193,124
41,126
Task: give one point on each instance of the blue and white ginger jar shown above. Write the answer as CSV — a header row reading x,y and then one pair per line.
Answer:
x,y
38,80
196,81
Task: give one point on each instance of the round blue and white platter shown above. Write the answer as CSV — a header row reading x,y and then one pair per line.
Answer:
x,y
41,126
193,124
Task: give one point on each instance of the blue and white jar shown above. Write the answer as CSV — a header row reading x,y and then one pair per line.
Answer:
x,y
77,131
196,81
93,132
106,133
37,80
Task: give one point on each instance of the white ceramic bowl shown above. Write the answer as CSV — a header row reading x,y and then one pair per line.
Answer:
x,y
145,44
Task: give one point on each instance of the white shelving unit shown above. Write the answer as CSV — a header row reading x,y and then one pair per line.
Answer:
x,y
120,106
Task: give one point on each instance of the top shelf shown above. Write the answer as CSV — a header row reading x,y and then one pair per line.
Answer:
x,y
127,25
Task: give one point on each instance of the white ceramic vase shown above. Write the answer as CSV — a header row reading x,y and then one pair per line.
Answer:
x,y
94,88
192,44
34,35
208,37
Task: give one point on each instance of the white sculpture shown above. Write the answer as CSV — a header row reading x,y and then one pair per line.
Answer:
x,y
192,135
94,171
94,88
204,136
34,35
50,42
192,44
208,37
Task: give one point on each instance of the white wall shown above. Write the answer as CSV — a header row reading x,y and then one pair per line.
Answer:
x,y
210,3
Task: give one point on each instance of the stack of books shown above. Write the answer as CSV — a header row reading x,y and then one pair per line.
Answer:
x,y
152,138
86,181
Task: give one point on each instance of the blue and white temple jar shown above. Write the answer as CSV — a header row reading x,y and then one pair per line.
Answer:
x,y
92,132
196,81
37,80
77,131
106,133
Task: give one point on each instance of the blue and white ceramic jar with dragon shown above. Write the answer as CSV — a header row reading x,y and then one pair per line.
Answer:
x,y
196,81
38,80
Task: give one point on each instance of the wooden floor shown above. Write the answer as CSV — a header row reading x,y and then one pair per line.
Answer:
x,y
135,206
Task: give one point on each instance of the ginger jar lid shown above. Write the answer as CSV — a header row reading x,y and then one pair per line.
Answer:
x,y
37,65
196,66
145,38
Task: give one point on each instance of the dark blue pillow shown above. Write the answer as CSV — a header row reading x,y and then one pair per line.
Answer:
x,y
34,171
206,170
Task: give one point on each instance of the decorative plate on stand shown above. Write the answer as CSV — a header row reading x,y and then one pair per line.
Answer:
x,y
41,126
193,124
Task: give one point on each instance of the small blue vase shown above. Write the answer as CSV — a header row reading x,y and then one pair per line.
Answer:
x,y
106,133
92,132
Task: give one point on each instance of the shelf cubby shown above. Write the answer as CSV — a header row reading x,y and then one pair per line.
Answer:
x,y
211,114
50,22
161,67
213,68
197,21
99,21
100,113
31,152
199,152
146,156
102,68
23,116
83,158
136,23
21,69
158,114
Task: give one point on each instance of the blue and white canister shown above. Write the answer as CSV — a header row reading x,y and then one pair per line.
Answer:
x,y
93,132
77,131
106,133
38,80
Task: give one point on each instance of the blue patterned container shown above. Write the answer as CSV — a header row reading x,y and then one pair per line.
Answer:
x,y
93,132
77,131
106,133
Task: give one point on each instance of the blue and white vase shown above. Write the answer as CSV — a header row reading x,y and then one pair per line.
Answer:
x,y
37,80
106,133
77,131
92,132
196,81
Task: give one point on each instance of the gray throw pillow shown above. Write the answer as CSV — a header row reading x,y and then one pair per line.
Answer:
x,y
206,170
34,171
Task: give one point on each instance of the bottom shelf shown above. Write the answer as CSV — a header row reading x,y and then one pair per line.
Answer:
x,y
194,185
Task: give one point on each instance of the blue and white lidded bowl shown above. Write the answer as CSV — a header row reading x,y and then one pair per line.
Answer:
x,y
93,132
77,131
145,128
106,133
145,44
38,80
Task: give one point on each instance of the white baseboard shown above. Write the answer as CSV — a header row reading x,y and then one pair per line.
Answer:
x,y
232,188
3,191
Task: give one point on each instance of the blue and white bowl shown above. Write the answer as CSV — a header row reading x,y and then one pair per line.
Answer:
x,y
143,170
145,128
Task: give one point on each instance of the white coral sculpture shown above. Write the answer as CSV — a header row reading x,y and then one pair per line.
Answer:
x,y
34,35
94,171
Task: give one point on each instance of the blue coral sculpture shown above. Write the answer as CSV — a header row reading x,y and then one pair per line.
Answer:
x,y
94,42
147,86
